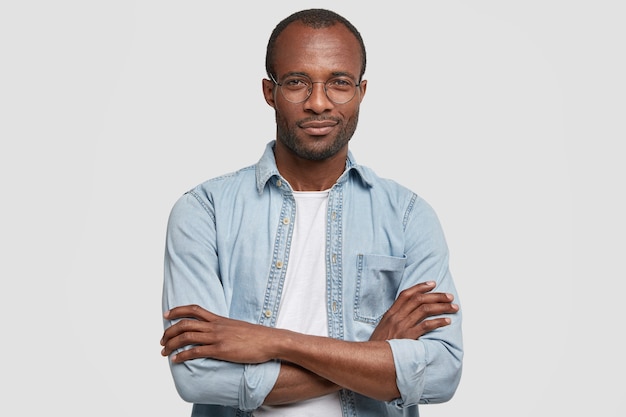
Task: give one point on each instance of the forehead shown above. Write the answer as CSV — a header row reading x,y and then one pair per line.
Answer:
x,y
317,52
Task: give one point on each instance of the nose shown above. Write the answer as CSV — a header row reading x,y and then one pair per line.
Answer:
x,y
318,101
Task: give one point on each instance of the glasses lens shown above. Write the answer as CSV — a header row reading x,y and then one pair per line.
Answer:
x,y
296,89
339,90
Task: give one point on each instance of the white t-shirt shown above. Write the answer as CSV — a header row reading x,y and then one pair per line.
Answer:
x,y
303,305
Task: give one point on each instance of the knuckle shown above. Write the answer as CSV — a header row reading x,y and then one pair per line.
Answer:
x,y
433,324
429,325
188,353
404,294
426,309
420,298
186,337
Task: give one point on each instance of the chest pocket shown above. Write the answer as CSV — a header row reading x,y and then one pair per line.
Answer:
x,y
378,280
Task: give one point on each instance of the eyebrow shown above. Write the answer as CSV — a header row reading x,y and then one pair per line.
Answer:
x,y
333,74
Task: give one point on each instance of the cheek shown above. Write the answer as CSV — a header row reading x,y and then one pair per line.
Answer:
x,y
287,113
350,114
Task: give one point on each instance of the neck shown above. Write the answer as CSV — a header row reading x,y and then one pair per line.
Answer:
x,y
306,175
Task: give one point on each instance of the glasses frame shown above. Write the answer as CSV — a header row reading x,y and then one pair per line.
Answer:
x,y
310,90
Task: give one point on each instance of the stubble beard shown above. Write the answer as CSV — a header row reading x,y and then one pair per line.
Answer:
x,y
288,136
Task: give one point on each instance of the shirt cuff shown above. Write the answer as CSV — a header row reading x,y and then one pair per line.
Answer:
x,y
257,382
409,358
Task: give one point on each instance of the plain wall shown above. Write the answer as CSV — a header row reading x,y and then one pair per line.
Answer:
x,y
508,117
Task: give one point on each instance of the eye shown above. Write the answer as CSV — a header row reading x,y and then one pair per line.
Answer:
x,y
340,84
296,83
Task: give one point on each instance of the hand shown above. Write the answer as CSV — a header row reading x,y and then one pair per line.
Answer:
x,y
213,336
406,318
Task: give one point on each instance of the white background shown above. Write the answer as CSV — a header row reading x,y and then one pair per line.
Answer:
x,y
507,116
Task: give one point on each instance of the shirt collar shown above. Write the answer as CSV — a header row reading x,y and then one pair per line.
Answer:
x,y
266,169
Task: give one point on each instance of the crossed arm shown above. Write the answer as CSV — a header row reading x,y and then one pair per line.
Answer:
x,y
311,365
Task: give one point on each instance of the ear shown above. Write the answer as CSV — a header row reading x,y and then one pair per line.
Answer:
x,y
362,87
269,92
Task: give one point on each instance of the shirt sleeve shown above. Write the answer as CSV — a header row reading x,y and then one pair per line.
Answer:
x,y
191,276
428,370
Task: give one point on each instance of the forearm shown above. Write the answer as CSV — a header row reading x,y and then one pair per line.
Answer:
x,y
295,384
364,367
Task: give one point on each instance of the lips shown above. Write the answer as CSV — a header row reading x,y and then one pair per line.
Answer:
x,y
318,127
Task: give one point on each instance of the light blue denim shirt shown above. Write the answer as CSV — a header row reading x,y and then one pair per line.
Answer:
x,y
227,250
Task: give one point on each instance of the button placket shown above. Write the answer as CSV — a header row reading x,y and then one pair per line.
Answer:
x,y
280,254
334,270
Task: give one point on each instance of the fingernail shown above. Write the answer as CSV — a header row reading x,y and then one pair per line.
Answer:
x,y
166,314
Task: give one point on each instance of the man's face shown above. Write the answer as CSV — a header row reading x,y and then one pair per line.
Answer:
x,y
317,128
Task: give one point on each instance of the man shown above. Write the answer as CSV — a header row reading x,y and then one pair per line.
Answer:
x,y
305,285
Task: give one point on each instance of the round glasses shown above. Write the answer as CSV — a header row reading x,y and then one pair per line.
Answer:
x,y
298,88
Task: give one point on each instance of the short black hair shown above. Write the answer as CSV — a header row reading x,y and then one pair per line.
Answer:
x,y
315,18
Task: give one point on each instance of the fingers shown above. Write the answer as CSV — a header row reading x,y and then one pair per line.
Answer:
x,y
427,326
186,332
189,311
194,352
431,305
419,302
183,326
422,287
197,345
419,289
415,313
217,337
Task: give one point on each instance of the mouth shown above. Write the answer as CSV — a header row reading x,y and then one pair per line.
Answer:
x,y
318,127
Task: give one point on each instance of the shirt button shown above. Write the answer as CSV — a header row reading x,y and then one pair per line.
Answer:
x,y
286,220
268,314
334,306
279,183
334,215
334,258
279,264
